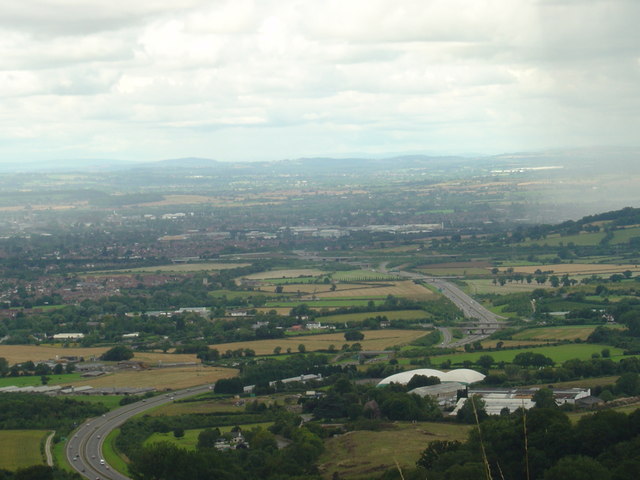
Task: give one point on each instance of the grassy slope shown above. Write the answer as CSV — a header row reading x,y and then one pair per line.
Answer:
x,y
366,454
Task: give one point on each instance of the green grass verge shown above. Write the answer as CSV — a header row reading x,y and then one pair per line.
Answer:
x,y
112,455
59,456
21,448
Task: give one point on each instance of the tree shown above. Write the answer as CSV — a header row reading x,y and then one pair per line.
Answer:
x,y
422,381
178,432
628,384
208,437
117,354
543,398
530,359
4,367
577,468
353,336
473,407
485,361
302,348
435,449
277,350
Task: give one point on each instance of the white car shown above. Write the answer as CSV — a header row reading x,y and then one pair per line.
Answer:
x,y
102,461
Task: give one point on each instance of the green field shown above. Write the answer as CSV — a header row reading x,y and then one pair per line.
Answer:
x,y
558,353
365,454
21,448
391,315
362,276
190,439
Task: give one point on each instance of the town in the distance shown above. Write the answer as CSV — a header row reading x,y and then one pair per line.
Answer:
x,y
402,318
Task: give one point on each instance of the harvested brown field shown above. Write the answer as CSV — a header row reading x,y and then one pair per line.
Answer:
x,y
316,288
511,344
292,273
477,264
373,340
577,268
160,378
24,353
405,288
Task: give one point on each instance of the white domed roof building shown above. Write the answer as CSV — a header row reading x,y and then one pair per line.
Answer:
x,y
460,375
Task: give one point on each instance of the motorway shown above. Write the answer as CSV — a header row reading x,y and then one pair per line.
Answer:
x,y
470,307
84,448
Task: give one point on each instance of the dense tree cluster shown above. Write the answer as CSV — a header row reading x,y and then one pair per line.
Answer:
x,y
539,444
25,410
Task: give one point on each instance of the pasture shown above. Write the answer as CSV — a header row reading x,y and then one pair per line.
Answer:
x,y
558,353
373,340
364,454
21,448
160,378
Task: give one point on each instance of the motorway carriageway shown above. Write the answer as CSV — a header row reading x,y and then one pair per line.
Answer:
x,y
84,448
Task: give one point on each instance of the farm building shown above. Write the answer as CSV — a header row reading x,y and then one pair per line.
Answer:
x,y
496,399
461,375
68,336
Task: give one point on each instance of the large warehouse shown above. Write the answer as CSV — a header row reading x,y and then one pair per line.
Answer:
x,y
460,375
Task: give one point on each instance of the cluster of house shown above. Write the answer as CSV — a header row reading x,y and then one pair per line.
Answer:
x,y
236,442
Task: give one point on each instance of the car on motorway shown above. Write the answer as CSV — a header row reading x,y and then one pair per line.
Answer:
x,y
102,461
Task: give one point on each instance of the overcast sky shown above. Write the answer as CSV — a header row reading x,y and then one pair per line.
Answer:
x,y
272,79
